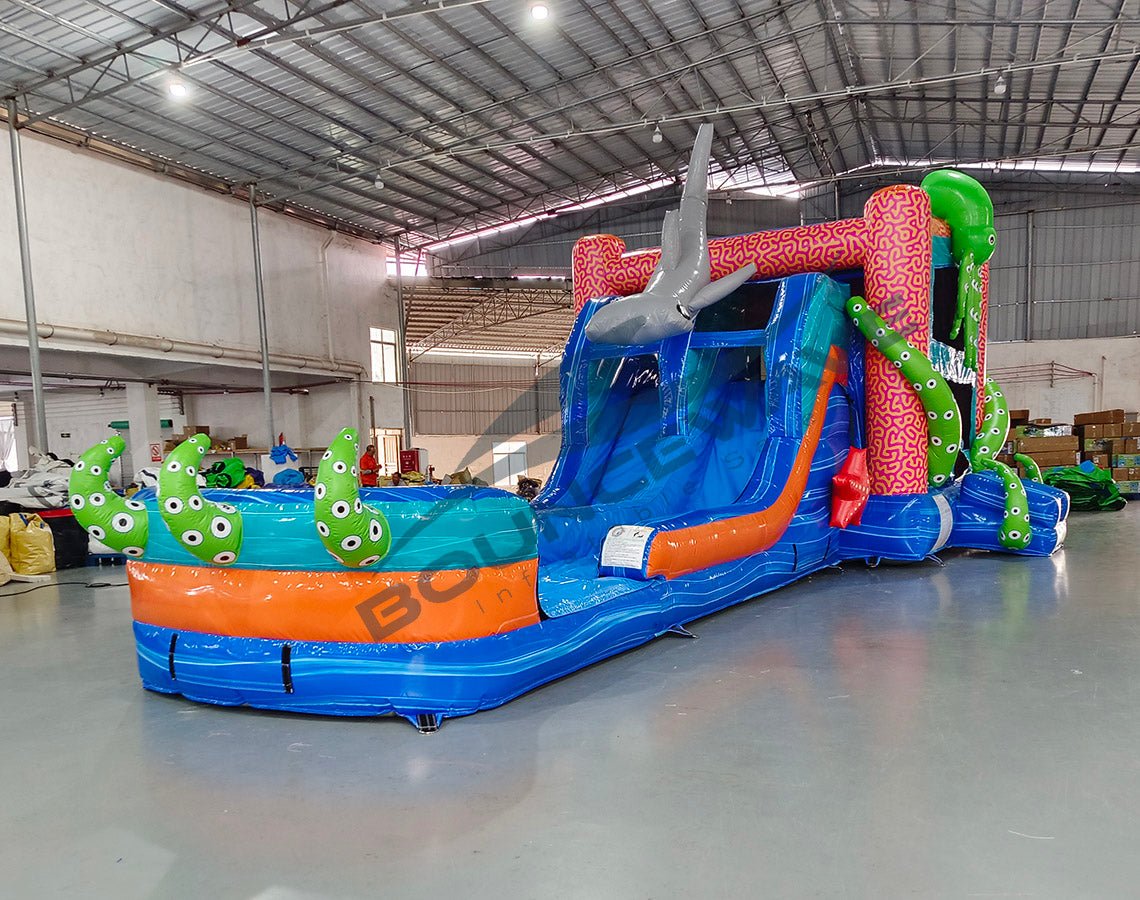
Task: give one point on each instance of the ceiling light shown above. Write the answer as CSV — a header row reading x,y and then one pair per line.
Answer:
x,y
540,12
378,183
178,90
658,137
1000,85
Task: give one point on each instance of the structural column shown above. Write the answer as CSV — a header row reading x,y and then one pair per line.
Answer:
x,y
144,417
39,437
402,349
262,325
1029,275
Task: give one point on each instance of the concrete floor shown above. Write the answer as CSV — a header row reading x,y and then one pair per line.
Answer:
x,y
970,731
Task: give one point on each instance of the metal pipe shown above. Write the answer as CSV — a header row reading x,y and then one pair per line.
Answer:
x,y
324,258
372,420
181,348
40,432
537,396
262,327
403,346
1029,275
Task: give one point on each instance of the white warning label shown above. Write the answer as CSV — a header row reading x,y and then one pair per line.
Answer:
x,y
624,547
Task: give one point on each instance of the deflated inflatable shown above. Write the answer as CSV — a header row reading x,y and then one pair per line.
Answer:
x,y
721,437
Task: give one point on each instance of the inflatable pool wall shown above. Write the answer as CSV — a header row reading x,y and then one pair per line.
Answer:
x,y
727,428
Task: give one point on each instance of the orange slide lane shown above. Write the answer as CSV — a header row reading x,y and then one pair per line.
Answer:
x,y
676,553
360,607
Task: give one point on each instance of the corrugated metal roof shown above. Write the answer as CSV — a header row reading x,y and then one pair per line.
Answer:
x,y
473,114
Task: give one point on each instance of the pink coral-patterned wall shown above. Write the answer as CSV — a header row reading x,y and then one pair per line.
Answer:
x,y
897,270
980,389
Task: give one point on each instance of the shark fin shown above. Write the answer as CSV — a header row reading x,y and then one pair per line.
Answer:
x,y
670,241
722,287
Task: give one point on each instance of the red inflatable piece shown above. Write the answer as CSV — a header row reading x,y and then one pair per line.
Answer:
x,y
850,489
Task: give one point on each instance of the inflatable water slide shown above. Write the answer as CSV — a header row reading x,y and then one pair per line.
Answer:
x,y
737,413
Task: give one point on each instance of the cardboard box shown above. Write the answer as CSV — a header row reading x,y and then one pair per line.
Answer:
x,y
1100,417
1035,445
1128,488
1103,445
1056,458
1100,460
240,442
1125,460
1018,416
1040,421
1129,473
1128,445
1094,432
1130,429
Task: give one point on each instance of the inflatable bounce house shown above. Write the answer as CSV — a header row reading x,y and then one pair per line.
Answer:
x,y
736,414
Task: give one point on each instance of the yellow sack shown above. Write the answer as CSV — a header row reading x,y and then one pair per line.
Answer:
x,y
4,548
32,547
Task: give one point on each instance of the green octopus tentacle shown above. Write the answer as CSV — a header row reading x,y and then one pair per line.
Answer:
x,y
994,428
356,535
120,524
210,531
966,207
965,272
1032,470
969,309
943,419
1015,532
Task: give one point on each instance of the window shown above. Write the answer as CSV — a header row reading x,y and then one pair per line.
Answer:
x,y
508,460
383,354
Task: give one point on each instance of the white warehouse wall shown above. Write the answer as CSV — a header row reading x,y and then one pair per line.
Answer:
x,y
117,247
1114,364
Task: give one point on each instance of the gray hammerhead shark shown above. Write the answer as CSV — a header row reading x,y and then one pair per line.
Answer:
x,y
681,285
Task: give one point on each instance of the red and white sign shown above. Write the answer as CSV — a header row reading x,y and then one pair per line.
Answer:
x,y
156,452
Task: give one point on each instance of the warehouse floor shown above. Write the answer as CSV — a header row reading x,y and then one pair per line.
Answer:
x,y
970,730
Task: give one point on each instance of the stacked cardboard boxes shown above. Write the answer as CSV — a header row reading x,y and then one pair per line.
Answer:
x,y
1110,438
1053,449
217,444
188,432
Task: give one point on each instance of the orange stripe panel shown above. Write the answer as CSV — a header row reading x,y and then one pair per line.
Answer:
x,y
362,607
686,550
